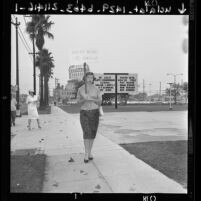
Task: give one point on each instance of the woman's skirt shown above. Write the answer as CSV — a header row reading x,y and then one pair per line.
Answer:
x,y
32,113
89,120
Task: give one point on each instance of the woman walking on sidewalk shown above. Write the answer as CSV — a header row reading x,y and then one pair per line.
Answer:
x,y
32,109
90,99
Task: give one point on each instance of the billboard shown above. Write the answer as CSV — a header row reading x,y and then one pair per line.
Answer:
x,y
105,83
126,83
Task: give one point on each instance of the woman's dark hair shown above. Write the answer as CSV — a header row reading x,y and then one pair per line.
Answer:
x,y
89,73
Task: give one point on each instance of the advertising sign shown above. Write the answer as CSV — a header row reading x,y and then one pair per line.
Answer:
x,y
127,83
105,83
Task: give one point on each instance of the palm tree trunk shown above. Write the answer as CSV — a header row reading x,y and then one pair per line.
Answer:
x,y
41,92
46,90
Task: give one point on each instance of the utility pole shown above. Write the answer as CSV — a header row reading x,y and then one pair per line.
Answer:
x,y
16,24
170,99
34,65
160,92
150,90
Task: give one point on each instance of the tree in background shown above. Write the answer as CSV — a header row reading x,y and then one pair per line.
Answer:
x,y
45,62
140,96
177,89
37,29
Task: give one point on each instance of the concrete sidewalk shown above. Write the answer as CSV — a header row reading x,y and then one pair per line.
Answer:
x,y
113,170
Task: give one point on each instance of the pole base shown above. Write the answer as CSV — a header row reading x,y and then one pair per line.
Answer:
x,y
18,113
170,108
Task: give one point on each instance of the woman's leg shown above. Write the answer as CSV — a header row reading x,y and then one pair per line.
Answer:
x,y
91,141
29,124
86,146
38,121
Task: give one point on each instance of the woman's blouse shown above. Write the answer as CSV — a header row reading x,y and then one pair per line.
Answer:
x,y
31,101
92,92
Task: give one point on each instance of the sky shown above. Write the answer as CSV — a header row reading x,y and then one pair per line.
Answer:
x,y
150,46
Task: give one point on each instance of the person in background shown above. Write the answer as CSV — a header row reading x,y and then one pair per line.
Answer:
x,y
32,109
13,109
90,99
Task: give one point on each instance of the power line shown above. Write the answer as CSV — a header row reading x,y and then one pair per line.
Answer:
x,y
24,45
25,21
24,41
27,47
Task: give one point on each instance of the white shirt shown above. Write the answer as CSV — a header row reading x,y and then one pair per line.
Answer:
x,y
32,107
92,92
31,101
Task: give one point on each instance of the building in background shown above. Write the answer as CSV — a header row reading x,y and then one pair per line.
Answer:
x,y
59,93
71,89
76,72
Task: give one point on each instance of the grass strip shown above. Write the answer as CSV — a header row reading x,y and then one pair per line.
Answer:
x,y
27,173
169,157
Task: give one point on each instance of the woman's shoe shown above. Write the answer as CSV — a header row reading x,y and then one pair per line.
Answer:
x,y
91,158
29,127
86,161
39,127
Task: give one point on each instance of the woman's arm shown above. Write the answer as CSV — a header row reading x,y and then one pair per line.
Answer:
x,y
81,98
97,99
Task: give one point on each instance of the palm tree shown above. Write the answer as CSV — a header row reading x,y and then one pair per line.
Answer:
x,y
45,62
37,29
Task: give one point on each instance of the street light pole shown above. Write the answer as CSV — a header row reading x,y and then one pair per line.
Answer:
x,y
175,88
170,99
16,24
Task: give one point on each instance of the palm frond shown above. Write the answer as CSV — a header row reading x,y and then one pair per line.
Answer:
x,y
49,35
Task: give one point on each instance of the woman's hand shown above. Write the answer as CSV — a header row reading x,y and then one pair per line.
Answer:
x,y
85,96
